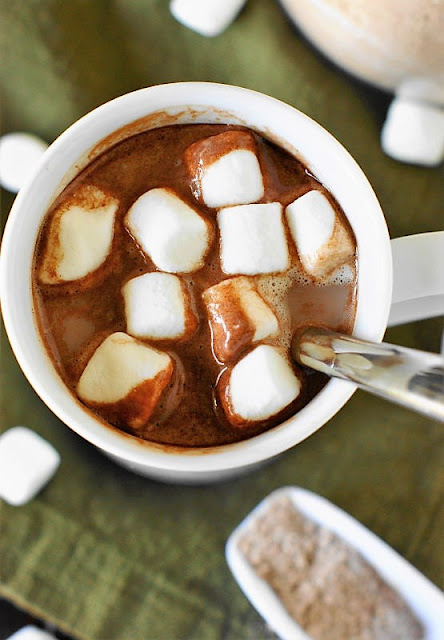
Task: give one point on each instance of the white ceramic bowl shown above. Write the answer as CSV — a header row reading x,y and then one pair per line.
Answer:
x,y
424,598
177,104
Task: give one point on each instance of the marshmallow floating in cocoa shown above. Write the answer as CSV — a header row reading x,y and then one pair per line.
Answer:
x,y
172,233
321,238
258,387
225,170
253,239
80,236
126,377
207,17
158,306
238,317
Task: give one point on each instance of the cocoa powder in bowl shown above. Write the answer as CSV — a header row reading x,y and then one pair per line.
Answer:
x,y
327,587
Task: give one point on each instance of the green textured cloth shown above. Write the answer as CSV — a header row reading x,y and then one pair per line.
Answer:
x,y
105,554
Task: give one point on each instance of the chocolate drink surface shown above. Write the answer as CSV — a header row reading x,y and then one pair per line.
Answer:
x,y
87,313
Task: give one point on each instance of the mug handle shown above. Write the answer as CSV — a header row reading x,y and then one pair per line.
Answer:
x,y
418,278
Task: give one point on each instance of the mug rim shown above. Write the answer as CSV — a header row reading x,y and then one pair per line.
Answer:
x,y
46,182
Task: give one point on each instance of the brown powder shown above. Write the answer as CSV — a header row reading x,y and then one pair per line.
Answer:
x,y
325,585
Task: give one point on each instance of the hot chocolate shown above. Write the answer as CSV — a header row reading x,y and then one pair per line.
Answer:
x,y
171,273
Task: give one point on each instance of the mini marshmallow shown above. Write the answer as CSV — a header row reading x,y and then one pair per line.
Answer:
x,y
238,317
258,387
20,154
413,132
80,236
225,170
158,306
27,463
119,365
207,17
253,239
126,375
169,231
321,238
31,633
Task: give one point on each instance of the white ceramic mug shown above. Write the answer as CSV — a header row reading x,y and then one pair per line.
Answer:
x,y
177,104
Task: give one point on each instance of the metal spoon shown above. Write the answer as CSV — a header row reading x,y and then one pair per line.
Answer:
x,y
411,378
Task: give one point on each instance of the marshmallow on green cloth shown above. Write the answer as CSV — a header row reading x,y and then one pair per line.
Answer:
x,y
20,153
207,17
413,132
27,463
31,633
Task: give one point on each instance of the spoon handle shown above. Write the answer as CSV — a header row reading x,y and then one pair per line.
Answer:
x,y
411,378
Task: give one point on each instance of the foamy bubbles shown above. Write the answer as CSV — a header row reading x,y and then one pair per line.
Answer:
x,y
342,276
276,288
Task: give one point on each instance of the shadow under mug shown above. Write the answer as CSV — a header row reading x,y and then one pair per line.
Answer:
x,y
418,291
